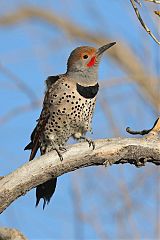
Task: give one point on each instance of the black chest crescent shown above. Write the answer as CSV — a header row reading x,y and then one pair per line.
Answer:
x,y
88,92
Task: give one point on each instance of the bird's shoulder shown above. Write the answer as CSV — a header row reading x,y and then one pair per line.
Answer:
x,y
56,87
51,80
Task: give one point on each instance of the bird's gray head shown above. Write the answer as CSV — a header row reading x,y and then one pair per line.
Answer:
x,y
84,61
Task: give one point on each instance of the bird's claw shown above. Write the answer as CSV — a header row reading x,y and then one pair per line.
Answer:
x,y
59,154
59,151
90,142
63,149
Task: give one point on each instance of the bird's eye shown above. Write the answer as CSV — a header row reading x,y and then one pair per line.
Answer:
x,y
85,56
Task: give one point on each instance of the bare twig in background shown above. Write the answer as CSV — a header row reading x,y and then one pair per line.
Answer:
x,y
19,110
77,208
129,203
157,205
137,1
19,83
114,82
142,22
25,89
109,116
92,220
155,128
153,1
157,13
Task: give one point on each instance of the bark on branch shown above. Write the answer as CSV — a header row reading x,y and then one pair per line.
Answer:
x,y
11,234
108,151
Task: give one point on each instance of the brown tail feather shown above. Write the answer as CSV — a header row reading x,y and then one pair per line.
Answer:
x,y
46,189
29,146
34,148
34,151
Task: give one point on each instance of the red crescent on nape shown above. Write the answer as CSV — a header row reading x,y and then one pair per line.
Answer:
x,y
92,62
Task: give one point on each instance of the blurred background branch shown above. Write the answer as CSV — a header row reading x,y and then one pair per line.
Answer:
x,y
120,54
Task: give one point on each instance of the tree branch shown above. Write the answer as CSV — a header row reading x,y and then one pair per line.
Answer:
x,y
11,234
142,22
108,151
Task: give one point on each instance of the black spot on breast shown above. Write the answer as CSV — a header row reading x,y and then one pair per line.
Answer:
x,y
88,92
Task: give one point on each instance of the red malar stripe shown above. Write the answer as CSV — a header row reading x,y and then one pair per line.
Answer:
x,y
92,62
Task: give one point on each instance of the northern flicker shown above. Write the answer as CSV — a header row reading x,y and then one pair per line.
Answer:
x,y
67,108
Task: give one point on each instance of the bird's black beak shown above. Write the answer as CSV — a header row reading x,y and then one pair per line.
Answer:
x,y
104,48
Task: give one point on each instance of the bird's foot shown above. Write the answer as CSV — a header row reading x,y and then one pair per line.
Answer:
x,y
90,141
59,154
60,150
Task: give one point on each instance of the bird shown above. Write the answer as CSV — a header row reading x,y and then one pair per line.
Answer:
x,y
68,107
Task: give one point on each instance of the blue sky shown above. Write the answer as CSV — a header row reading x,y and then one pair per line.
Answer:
x,y
32,50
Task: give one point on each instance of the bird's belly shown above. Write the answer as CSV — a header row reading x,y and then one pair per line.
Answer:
x,y
72,115
81,115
